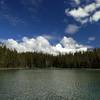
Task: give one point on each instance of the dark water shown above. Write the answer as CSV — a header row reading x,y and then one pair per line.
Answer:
x,y
50,85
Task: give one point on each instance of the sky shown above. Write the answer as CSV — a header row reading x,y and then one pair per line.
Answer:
x,y
76,22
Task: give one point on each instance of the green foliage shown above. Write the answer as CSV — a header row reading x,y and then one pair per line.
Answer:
x,y
12,59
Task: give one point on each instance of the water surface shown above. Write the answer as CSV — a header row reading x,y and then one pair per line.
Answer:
x,y
50,85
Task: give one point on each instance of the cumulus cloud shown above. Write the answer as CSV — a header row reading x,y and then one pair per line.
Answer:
x,y
71,29
96,16
78,13
91,7
41,44
88,13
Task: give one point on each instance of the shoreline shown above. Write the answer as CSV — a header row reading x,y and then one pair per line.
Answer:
x,y
48,69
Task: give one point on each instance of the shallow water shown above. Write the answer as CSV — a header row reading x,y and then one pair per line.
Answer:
x,y
50,85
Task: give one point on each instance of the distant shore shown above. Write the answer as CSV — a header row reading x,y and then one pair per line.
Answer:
x,y
48,69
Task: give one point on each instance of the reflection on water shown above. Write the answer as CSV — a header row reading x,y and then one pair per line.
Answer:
x,y
50,85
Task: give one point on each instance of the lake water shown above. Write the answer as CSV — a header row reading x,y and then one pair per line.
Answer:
x,y
50,85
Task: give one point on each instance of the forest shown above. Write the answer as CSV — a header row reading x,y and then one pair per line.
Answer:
x,y
13,59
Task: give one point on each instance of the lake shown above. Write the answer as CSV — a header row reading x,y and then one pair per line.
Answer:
x,y
50,85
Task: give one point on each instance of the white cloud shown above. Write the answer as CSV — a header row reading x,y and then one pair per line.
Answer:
x,y
77,13
77,2
90,8
71,29
41,44
91,38
96,16
88,13
98,1
68,43
49,37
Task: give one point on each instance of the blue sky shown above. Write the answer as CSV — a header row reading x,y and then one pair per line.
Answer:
x,y
53,19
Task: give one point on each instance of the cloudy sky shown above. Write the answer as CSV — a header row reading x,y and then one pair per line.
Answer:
x,y
49,22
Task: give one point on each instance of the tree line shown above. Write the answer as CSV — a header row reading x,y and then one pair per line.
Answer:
x,y
13,59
